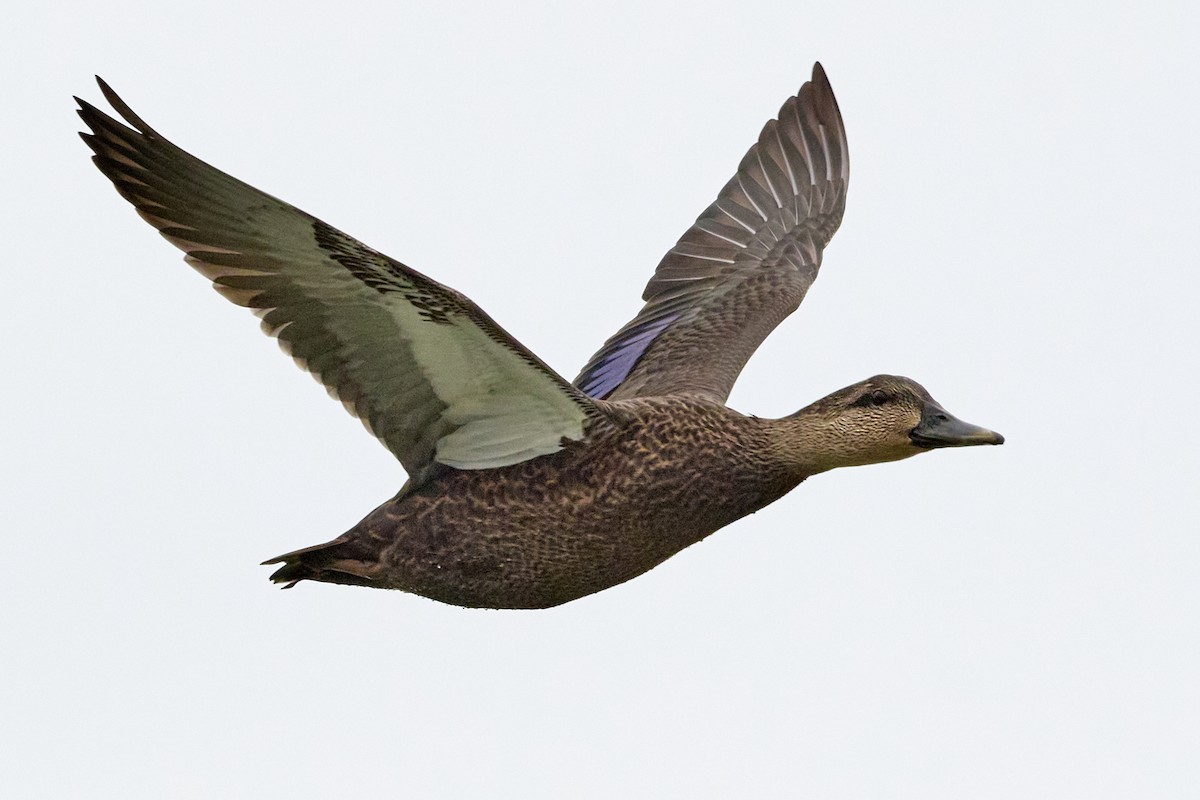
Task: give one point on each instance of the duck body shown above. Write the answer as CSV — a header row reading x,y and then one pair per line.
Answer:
x,y
662,475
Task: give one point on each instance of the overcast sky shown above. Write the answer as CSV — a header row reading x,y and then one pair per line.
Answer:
x,y
994,622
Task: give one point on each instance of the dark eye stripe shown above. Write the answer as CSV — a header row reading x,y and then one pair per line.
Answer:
x,y
877,397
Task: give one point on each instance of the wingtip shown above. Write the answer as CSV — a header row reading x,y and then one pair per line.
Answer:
x,y
121,107
106,90
89,114
82,108
819,78
825,103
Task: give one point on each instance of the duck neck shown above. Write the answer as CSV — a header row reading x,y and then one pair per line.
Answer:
x,y
808,444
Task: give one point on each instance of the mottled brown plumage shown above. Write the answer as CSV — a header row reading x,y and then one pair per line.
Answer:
x,y
526,491
555,528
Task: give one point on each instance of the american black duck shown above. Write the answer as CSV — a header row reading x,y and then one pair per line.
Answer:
x,y
524,490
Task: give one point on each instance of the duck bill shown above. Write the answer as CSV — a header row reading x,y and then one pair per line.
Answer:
x,y
940,428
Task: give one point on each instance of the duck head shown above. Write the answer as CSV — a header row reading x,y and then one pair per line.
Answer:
x,y
884,418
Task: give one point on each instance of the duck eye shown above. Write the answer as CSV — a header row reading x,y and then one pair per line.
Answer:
x,y
879,397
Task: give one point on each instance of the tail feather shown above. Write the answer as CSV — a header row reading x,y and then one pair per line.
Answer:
x,y
332,562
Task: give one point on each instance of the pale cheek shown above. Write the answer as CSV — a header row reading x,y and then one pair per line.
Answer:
x,y
863,427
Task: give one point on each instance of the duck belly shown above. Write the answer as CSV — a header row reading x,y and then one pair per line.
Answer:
x,y
524,540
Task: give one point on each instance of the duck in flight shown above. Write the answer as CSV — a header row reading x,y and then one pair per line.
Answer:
x,y
525,490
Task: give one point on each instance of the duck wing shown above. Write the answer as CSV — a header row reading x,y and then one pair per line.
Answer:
x,y
743,266
425,369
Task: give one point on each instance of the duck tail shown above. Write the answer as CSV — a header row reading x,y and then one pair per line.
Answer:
x,y
332,562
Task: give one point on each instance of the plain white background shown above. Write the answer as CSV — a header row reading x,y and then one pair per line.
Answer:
x,y
996,622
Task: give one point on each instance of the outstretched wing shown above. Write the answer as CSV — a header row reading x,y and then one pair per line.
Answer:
x,y
743,266
424,368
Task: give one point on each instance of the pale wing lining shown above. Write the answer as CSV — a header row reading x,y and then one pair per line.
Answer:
x,y
505,405
504,410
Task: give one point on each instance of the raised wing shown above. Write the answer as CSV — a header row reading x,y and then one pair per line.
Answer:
x,y
743,266
424,368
